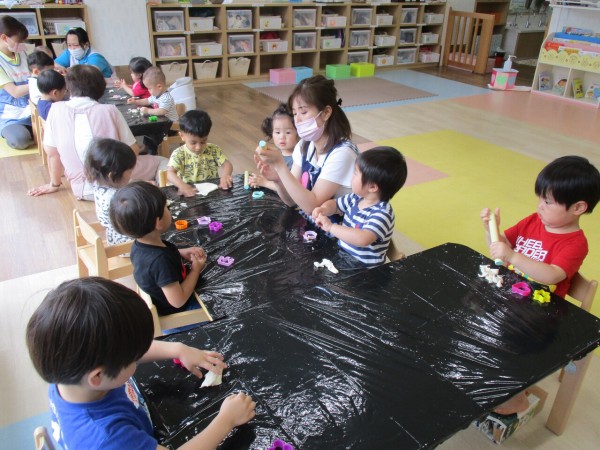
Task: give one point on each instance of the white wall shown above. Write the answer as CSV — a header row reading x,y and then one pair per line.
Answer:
x,y
119,29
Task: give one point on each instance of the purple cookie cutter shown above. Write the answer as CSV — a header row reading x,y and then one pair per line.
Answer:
x,y
278,444
215,226
204,220
521,288
225,261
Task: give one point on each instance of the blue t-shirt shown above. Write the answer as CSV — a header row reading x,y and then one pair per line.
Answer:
x,y
43,108
119,420
91,58
378,218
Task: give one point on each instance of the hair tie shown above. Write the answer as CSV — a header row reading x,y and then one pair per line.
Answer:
x,y
339,102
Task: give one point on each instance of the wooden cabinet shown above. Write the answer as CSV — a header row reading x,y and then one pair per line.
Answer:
x,y
48,23
242,42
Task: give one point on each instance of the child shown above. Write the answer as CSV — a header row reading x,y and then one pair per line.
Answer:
x,y
197,160
139,210
368,217
548,245
53,88
86,339
37,61
160,101
108,164
137,66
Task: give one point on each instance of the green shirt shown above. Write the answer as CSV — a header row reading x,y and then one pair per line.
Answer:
x,y
192,168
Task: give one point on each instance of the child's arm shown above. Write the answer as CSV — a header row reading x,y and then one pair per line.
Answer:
x,y
177,294
192,358
226,170
352,236
121,84
138,101
259,181
153,111
184,189
327,209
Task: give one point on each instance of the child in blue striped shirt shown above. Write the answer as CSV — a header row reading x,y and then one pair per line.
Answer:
x,y
368,216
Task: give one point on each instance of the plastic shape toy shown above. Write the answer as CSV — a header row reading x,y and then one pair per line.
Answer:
x,y
258,194
246,180
181,224
262,144
215,226
153,119
204,220
278,444
309,236
178,362
521,288
541,296
225,261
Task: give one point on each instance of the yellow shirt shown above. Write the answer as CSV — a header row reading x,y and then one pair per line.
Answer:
x,y
192,168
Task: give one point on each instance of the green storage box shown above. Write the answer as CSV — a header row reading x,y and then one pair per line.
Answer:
x,y
362,69
337,71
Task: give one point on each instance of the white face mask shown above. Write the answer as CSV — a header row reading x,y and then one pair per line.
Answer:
x,y
15,48
77,53
309,130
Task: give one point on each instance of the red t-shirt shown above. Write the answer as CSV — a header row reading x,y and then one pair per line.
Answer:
x,y
139,90
567,251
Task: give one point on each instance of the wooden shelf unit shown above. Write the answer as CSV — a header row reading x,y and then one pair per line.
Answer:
x,y
46,11
305,42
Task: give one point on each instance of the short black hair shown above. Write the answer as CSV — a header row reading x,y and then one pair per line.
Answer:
x,y
281,111
195,122
139,65
50,79
106,160
39,60
81,34
135,208
12,27
88,323
568,180
84,80
385,167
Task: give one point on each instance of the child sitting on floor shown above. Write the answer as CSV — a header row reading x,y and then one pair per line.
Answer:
x,y
368,217
36,62
139,210
108,164
197,160
137,66
549,246
53,88
86,339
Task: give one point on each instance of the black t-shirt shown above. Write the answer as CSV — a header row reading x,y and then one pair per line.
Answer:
x,y
155,267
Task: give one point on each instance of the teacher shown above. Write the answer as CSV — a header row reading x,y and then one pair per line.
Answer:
x,y
79,51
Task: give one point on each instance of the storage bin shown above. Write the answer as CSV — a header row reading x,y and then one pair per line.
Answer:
x,y
384,19
330,42
358,57
207,48
60,25
360,38
29,20
270,22
406,56
432,19
407,36
173,71
240,43
361,16
333,21
305,18
169,47
202,23
168,21
305,41
302,72
362,69
383,60
429,57
239,19
238,67
282,76
274,46
206,70
409,15
383,40
337,71
429,38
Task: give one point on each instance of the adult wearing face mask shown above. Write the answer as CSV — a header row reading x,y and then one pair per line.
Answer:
x,y
79,51
15,116
323,159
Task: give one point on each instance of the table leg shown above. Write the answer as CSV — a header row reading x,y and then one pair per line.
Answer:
x,y
566,396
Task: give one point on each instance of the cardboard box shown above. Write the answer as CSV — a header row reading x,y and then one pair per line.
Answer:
x,y
208,48
498,428
302,72
337,71
270,22
431,18
274,45
333,21
429,57
503,79
331,42
282,76
383,60
429,38
202,23
362,69
384,19
383,40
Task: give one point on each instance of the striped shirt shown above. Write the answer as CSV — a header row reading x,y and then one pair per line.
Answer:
x,y
378,218
165,101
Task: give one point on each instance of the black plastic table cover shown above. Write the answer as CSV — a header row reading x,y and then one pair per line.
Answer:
x,y
401,356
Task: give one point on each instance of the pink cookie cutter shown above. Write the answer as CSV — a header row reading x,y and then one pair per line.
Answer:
x,y
204,220
225,261
215,226
521,288
309,236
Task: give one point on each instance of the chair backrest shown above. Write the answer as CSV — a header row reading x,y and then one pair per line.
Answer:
x,y
393,252
583,291
41,439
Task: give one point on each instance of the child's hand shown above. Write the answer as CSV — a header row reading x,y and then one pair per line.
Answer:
x,y
256,180
198,262
144,110
323,222
188,252
317,212
485,217
193,359
131,100
226,182
266,170
120,83
188,191
500,250
237,409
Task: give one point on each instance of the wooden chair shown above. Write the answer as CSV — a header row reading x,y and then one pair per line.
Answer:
x,y
393,253
41,439
176,320
37,125
583,291
94,258
164,148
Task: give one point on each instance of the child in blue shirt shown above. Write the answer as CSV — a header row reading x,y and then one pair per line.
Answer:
x,y
86,339
368,217
53,88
